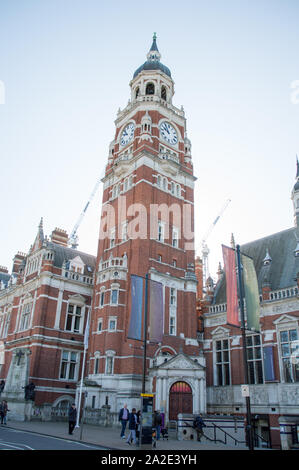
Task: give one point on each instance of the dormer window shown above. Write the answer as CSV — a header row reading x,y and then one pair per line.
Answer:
x,y
150,89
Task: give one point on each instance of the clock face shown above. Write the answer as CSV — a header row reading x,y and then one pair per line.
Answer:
x,y
168,133
127,134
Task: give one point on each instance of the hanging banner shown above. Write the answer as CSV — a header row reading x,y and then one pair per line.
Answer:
x,y
156,312
252,297
268,364
231,285
135,327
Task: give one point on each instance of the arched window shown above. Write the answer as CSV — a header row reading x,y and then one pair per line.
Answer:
x,y
163,93
150,89
137,92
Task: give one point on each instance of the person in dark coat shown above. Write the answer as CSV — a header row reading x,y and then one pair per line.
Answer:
x,y
198,424
123,417
3,411
132,427
72,418
157,424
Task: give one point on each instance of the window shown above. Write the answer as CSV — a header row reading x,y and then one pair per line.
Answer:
x,y
69,365
172,325
289,347
172,188
112,324
254,359
178,190
163,93
96,366
175,237
114,297
172,310
6,325
112,237
222,362
150,89
160,258
172,296
159,181
100,325
26,310
109,365
137,92
165,184
73,318
102,298
160,232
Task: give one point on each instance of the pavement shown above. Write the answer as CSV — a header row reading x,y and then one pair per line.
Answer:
x,y
109,437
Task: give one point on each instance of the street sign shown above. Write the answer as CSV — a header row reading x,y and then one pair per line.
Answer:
x,y
245,390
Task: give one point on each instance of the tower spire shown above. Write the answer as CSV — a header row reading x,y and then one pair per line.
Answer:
x,y
154,54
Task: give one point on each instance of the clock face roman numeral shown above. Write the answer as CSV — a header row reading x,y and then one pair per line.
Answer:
x,y
127,134
168,133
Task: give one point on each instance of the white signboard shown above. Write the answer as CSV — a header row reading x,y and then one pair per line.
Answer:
x,y
245,390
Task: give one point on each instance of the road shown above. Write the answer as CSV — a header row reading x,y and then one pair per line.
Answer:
x,y
12,439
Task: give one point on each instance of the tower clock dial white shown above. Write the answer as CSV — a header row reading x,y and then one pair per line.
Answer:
x,y
168,133
127,134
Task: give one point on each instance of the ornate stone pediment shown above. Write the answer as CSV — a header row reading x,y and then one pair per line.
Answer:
x,y
181,362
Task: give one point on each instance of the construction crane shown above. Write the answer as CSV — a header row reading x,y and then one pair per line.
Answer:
x,y
204,247
73,238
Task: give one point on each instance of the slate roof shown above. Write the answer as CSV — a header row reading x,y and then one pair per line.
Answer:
x,y
280,273
63,253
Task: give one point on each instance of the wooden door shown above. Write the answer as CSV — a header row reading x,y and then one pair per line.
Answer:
x,y
180,400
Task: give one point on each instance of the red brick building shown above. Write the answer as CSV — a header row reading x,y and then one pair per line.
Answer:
x,y
43,309
273,353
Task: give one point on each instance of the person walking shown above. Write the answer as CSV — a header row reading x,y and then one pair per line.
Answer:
x,y
157,424
132,427
72,418
198,424
138,414
3,411
123,417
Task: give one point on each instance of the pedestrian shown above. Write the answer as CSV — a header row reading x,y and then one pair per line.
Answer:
x,y
157,423
72,418
123,417
3,411
132,427
138,414
198,424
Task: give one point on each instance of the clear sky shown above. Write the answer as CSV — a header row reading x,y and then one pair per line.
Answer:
x,y
66,65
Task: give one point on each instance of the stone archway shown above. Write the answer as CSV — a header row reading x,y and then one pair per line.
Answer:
x,y
180,399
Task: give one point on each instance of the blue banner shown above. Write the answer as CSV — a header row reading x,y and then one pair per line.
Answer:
x,y
269,364
135,328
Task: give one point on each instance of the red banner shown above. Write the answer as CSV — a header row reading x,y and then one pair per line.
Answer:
x,y
231,285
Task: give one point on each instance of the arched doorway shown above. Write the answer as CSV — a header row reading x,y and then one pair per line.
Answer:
x,y
180,400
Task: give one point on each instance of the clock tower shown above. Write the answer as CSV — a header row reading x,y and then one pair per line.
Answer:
x,y
147,229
